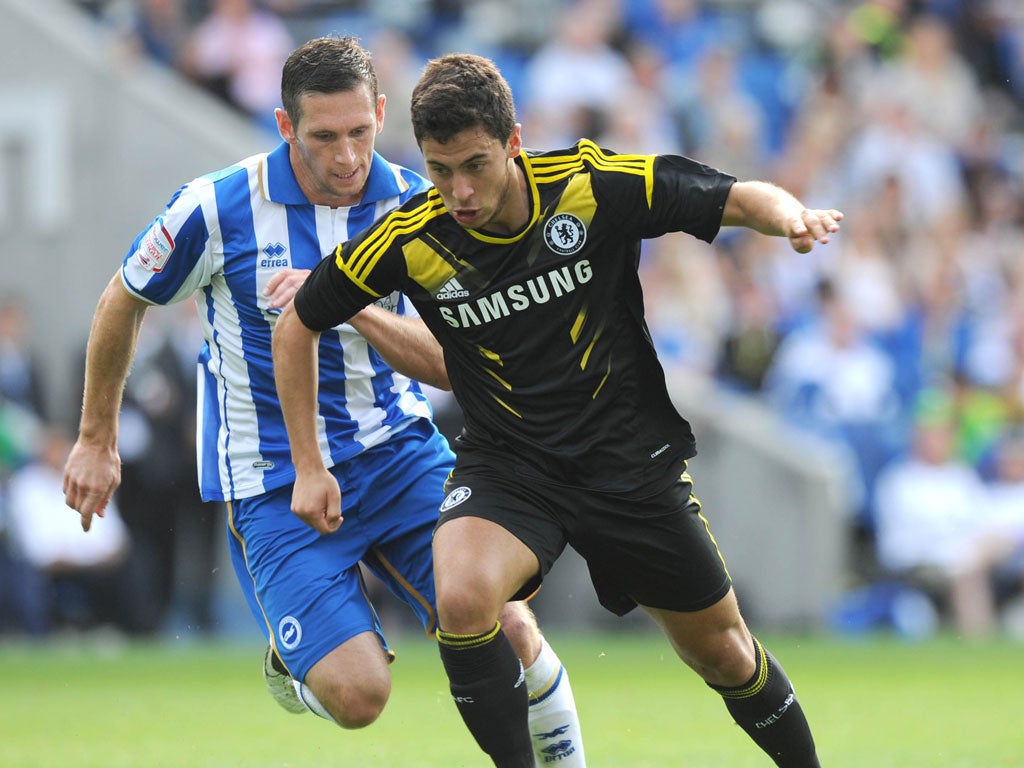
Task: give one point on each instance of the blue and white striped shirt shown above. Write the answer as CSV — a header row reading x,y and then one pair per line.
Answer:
x,y
220,239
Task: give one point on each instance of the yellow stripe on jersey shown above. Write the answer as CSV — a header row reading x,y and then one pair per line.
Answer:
x,y
426,266
556,167
586,354
490,355
577,327
342,265
507,407
600,386
579,199
365,256
500,380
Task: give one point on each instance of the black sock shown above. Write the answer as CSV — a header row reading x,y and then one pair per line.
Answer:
x,y
766,708
489,687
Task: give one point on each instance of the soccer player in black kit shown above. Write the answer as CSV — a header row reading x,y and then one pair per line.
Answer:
x,y
524,266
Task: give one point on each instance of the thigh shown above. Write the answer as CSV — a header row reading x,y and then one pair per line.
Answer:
x,y
519,509
400,491
656,551
305,590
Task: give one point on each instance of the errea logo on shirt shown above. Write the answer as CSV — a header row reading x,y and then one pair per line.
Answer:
x,y
155,247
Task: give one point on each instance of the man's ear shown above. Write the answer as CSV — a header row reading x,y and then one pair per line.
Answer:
x,y
515,141
381,101
284,125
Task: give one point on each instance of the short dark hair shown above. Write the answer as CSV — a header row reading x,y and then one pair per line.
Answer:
x,y
461,91
325,65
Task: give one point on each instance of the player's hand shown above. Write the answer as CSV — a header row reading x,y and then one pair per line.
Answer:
x,y
316,500
91,475
282,286
812,226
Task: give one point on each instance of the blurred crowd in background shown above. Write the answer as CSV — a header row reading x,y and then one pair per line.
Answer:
x,y
901,342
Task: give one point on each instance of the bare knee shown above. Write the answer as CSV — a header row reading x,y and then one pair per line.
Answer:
x,y
352,682
466,609
353,706
520,627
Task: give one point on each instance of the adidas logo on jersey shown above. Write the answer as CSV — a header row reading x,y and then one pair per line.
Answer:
x,y
452,290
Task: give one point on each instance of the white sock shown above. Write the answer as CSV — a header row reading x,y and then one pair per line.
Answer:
x,y
307,697
554,723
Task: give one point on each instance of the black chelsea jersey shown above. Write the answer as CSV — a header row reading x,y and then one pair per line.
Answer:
x,y
543,331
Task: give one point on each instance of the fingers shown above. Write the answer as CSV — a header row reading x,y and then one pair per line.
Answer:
x,y
87,501
323,521
317,502
282,286
814,226
332,520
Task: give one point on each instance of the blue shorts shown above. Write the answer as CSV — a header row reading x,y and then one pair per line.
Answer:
x,y
306,590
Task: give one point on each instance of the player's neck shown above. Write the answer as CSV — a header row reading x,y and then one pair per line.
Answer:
x,y
514,209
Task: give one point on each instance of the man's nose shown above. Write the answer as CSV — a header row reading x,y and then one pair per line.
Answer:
x,y
344,153
462,188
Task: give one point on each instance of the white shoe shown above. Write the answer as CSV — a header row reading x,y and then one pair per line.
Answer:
x,y
279,683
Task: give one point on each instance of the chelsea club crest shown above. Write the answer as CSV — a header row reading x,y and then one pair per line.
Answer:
x,y
565,234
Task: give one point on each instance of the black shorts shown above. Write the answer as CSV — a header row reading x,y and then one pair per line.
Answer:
x,y
654,550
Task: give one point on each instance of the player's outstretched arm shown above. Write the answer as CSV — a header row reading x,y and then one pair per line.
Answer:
x,y
316,498
93,469
405,343
771,210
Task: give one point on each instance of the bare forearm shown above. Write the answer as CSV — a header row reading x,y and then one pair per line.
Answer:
x,y
108,358
760,206
771,210
405,343
295,374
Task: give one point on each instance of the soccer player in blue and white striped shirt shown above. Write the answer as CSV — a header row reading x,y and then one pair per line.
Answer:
x,y
240,241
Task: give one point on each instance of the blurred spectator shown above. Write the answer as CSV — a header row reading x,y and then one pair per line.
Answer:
x,y
880,25
82,581
158,29
751,337
397,64
575,78
1000,532
236,52
718,121
642,120
831,378
21,380
927,507
931,72
866,271
683,30
686,304
893,145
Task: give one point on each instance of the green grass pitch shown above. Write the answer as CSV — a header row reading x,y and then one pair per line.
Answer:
x,y
873,703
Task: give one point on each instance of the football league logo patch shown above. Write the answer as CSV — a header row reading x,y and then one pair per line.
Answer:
x,y
565,233
155,247
456,497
